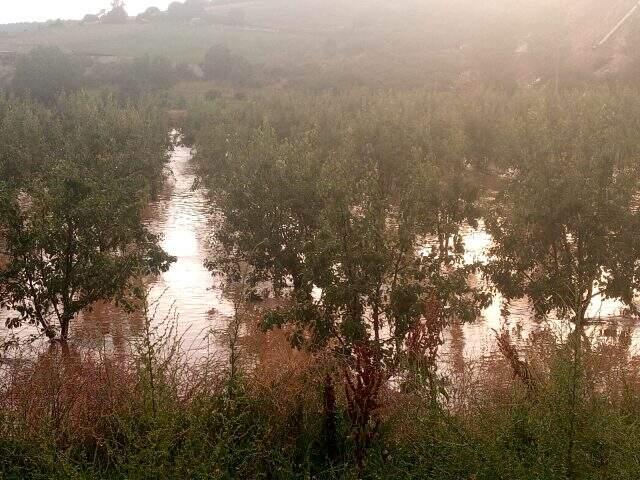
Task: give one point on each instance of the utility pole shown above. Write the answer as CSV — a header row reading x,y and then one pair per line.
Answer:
x,y
617,27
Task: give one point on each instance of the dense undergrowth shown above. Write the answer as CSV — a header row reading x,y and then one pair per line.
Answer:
x,y
162,414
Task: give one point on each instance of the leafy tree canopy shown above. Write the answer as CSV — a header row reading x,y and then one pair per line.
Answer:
x,y
72,229
46,72
566,226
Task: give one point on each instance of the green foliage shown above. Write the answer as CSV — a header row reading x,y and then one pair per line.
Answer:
x,y
27,137
73,228
198,430
46,72
357,202
352,206
222,65
565,226
137,77
359,212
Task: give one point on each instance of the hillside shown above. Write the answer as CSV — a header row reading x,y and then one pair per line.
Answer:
x,y
376,40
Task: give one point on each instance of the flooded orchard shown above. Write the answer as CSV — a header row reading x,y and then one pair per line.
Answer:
x,y
607,319
190,296
320,239
182,216
187,294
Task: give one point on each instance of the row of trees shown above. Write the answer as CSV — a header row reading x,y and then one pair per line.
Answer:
x,y
192,10
344,209
46,72
74,178
353,205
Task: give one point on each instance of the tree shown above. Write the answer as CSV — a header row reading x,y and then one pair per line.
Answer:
x,y
73,232
563,228
27,139
117,14
269,226
79,241
136,77
175,9
377,290
221,64
150,13
46,72
90,18
188,10
566,227
146,74
342,216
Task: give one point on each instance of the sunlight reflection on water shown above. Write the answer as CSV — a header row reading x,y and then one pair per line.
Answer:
x,y
477,340
183,219
187,291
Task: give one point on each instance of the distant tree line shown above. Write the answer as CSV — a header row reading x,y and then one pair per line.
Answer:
x,y
46,72
191,10
117,14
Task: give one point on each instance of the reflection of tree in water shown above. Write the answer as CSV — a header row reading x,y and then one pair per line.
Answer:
x,y
107,326
457,344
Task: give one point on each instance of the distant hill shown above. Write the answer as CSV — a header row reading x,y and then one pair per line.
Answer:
x,y
20,27
381,41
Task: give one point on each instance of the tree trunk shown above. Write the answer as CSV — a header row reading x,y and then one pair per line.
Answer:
x,y
329,424
65,322
574,393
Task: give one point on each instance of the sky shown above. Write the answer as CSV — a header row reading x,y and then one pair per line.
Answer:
x,y
12,11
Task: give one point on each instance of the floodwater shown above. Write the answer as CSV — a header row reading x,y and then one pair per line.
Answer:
x,y
187,295
190,296
183,219
606,318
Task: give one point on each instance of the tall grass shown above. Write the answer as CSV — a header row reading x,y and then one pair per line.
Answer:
x,y
158,414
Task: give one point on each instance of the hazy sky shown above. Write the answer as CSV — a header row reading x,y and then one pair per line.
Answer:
x,y
39,10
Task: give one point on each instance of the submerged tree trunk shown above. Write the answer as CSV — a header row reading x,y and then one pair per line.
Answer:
x,y
65,323
48,330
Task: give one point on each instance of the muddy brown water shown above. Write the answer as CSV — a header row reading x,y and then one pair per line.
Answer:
x,y
187,295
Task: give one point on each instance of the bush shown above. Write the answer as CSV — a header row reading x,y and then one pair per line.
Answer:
x,y
222,65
